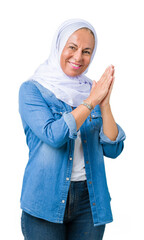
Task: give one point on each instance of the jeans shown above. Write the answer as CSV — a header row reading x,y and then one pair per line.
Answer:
x,y
77,225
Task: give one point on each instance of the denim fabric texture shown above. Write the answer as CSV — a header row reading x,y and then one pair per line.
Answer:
x,y
51,131
78,222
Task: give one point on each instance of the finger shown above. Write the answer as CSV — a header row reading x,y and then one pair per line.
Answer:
x,y
106,70
111,86
109,78
111,73
109,81
93,85
111,70
105,75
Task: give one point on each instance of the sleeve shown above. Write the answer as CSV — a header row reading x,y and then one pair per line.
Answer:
x,y
112,149
37,115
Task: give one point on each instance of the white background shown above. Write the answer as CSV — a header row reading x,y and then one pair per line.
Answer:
x,y
27,28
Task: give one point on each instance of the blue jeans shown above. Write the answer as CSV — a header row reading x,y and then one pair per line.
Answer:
x,y
77,225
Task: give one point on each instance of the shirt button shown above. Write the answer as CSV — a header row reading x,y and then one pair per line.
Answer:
x,y
87,162
84,141
90,182
67,178
63,201
94,204
70,158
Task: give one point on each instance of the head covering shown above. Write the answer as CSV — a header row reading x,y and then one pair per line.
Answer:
x,y
71,90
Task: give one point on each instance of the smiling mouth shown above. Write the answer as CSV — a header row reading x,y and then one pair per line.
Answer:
x,y
75,66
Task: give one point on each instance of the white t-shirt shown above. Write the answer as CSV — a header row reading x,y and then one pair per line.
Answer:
x,y
78,170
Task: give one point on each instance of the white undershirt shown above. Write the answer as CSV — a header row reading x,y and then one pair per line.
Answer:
x,y
78,170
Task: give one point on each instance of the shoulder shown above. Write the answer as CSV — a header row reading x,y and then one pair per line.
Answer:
x,y
31,87
28,92
27,86
32,91
34,86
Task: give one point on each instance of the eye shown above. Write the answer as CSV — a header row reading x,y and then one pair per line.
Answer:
x,y
72,47
86,52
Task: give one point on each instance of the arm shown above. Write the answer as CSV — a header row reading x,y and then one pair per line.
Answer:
x,y
109,125
111,134
112,149
36,114
100,94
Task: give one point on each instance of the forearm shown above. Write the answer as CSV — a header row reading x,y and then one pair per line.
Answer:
x,y
80,114
109,125
98,92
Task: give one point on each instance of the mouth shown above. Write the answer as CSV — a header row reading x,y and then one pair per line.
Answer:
x,y
75,66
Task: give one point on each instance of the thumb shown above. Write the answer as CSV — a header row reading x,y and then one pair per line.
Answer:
x,y
93,85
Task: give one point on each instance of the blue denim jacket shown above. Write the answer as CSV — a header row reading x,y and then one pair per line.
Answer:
x,y
51,131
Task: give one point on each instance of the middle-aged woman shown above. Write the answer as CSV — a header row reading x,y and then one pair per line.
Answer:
x,y
69,127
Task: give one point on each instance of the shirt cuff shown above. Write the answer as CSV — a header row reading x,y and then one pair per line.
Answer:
x,y
70,121
104,139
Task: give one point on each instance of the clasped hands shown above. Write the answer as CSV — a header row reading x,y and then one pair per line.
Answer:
x,y
101,90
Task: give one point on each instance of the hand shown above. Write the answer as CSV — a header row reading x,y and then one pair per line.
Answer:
x,y
100,92
106,100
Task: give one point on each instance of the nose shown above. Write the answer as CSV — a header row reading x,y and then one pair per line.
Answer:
x,y
78,56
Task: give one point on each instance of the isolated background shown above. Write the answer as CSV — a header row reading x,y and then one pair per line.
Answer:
x,y
27,28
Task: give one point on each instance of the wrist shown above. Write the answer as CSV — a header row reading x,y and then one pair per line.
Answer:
x,y
105,109
90,102
88,105
105,106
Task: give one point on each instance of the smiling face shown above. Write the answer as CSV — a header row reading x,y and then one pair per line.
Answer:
x,y
77,52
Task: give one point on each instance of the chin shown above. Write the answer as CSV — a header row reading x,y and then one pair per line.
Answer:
x,y
73,73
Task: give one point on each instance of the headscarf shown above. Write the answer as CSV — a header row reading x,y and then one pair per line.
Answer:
x,y
71,90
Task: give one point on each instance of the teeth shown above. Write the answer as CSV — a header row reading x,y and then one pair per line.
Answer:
x,y
75,65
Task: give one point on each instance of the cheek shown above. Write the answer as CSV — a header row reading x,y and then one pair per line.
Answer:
x,y
64,57
62,62
87,62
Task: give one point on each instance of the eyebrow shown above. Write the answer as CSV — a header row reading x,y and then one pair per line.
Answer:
x,y
77,46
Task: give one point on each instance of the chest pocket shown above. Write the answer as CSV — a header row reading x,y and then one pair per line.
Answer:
x,y
96,120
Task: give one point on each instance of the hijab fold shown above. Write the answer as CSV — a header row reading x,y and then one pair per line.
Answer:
x,y
71,90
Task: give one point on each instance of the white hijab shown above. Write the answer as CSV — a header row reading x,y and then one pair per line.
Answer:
x,y
71,90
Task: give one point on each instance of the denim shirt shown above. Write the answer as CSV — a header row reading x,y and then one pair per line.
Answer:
x,y
51,131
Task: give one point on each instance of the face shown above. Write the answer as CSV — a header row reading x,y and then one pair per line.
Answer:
x,y
77,52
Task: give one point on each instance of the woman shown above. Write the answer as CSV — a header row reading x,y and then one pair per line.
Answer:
x,y
69,126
